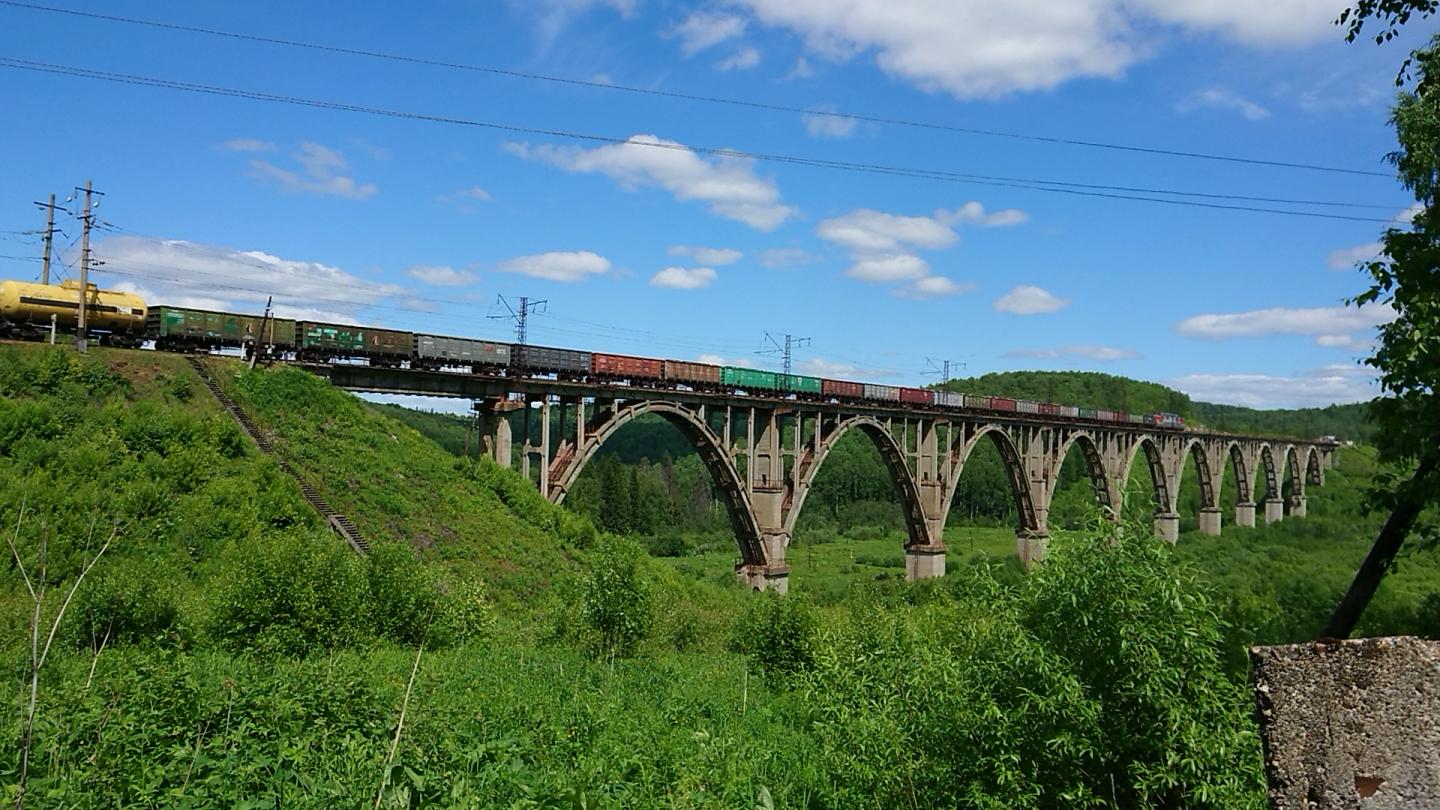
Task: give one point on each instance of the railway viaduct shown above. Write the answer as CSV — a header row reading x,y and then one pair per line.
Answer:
x,y
764,454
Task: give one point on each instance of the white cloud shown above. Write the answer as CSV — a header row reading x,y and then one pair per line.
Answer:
x,y
981,48
474,193
727,185
743,59
824,123
704,29
973,213
1319,321
1315,388
1101,353
711,359
1346,258
1408,215
888,268
1336,341
819,367
248,145
1219,98
1027,299
557,265
778,258
867,230
707,255
602,78
932,287
322,173
683,278
440,275
214,277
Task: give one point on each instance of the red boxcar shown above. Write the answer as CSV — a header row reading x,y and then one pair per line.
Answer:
x,y
1001,404
841,389
1049,409
917,396
632,368
692,373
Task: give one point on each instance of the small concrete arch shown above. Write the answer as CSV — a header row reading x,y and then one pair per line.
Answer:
x,y
892,454
1293,470
711,451
1244,474
1314,466
1209,489
1271,473
1100,482
1156,464
960,451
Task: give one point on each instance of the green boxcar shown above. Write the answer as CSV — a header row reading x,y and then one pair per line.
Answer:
x,y
1087,413
749,378
803,384
354,341
209,328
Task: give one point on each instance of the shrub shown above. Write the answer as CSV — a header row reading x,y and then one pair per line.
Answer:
x,y
615,604
125,601
402,594
777,633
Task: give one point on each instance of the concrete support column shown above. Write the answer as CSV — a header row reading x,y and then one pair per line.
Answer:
x,y
1167,526
545,448
924,562
1210,520
1297,506
1274,510
1245,515
764,578
1030,545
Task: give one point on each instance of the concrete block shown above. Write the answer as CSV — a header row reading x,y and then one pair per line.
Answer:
x,y
763,578
1167,527
924,562
1274,511
1210,521
1297,506
1245,515
1350,724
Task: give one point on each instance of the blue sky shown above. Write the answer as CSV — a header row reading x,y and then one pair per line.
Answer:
x,y
672,252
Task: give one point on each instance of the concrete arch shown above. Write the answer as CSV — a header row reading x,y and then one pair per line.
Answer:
x,y
1209,489
1244,474
1100,483
1267,466
711,451
1292,470
1314,466
1027,519
1156,464
890,451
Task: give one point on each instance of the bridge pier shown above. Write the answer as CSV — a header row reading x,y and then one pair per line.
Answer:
x,y
1245,515
1167,527
764,577
1274,510
493,418
1030,545
1210,520
924,562
1297,506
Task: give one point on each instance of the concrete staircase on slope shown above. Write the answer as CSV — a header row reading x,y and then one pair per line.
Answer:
x,y
333,519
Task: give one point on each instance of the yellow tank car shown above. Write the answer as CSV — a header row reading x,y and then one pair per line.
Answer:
x,y
26,307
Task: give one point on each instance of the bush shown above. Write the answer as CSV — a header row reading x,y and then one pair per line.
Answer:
x,y
402,594
292,593
124,601
777,634
615,604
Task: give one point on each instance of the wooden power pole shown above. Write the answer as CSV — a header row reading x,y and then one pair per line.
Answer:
x,y
86,220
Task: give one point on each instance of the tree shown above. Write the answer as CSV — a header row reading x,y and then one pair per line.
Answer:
x,y
1407,355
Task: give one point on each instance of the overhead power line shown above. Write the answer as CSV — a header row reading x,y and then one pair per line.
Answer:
x,y
706,99
1053,187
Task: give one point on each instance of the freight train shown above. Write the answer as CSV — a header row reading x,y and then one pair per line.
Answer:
x,y
187,329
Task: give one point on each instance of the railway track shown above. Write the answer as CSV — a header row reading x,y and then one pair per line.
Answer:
x,y
336,521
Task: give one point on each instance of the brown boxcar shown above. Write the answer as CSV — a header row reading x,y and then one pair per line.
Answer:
x,y
842,390
691,373
917,396
1049,409
1002,404
624,366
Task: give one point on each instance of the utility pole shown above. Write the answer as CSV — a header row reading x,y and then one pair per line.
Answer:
x,y
86,219
941,367
785,350
50,230
520,316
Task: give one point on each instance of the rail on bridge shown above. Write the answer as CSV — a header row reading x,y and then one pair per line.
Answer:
x,y
764,454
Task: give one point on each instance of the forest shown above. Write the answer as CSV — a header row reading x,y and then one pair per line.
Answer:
x,y
495,650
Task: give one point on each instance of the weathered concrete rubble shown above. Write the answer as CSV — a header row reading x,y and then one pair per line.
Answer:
x,y
1351,724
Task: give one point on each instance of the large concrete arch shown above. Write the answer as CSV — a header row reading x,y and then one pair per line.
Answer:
x,y
1159,478
1314,466
707,444
1027,519
1244,474
1274,506
1106,495
892,454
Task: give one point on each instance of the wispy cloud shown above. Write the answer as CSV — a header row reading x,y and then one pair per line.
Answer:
x,y
248,145
1027,299
1329,325
705,29
743,59
683,278
823,122
440,275
1328,385
1102,353
1220,98
322,171
560,265
707,255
